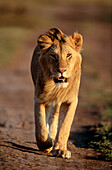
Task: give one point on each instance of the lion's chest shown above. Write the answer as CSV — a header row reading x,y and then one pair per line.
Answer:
x,y
51,94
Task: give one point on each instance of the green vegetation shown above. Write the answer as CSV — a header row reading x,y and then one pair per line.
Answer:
x,y
102,141
103,135
97,100
100,103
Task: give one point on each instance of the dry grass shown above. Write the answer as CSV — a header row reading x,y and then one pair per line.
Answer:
x,y
11,40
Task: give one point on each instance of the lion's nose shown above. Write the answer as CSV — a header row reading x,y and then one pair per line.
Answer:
x,y
61,70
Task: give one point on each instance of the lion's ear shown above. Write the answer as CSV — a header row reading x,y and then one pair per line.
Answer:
x,y
78,40
44,42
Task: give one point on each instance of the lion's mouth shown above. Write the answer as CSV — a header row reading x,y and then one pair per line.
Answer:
x,y
61,80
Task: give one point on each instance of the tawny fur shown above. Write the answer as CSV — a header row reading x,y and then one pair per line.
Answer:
x,y
55,103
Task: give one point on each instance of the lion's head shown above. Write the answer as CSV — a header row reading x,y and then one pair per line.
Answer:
x,y
59,54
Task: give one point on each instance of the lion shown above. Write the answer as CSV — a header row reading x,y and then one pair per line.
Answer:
x,y
56,72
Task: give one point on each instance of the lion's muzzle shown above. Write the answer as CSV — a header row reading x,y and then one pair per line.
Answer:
x,y
61,82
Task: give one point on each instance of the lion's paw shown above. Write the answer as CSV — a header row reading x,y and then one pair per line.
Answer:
x,y
48,150
62,153
46,145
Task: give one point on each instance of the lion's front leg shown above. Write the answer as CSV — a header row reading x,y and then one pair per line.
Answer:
x,y
53,120
60,146
43,140
52,113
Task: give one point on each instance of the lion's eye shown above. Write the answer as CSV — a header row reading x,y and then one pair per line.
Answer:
x,y
69,55
53,56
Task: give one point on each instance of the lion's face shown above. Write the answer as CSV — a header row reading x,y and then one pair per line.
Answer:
x,y
59,55
62,63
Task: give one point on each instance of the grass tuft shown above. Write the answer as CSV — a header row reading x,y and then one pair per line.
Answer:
x,y
102,141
